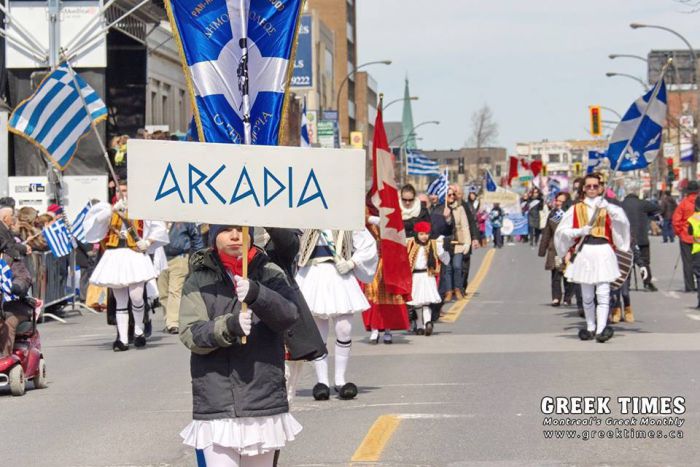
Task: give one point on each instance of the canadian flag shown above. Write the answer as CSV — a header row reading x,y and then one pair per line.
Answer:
x,y
520,165
385,197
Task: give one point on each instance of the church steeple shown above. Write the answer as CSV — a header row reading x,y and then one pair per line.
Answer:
x,y
407,120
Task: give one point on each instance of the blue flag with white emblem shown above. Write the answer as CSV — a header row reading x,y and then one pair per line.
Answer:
x,y
637,138
595,158
238,64
490,182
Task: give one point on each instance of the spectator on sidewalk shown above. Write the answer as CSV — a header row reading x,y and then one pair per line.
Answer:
x,y
685,209
185,239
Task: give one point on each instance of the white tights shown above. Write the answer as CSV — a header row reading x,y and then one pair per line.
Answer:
x,y
423,316
122,296
219,456
596,317
343,344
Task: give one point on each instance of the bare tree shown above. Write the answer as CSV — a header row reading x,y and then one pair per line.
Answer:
x,y
484,129
689,6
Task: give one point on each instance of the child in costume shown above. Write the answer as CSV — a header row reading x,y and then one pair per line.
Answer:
x,y
425,256
125,265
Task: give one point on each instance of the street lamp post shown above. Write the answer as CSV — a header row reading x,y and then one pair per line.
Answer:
x,y
412,98
638,57
695,79
340,89
611,74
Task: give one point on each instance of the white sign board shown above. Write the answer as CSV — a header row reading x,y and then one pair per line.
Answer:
x,y
268,186
77,191
34,16
503,197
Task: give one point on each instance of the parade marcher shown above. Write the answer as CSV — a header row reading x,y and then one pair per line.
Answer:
x,y
185,239
240,410
441,225
554,262
412,209
330,265
593,261
668,206
535,208
459,245
125,266
387,310
694,232
302,340
425,256
496,217
685,209
638,212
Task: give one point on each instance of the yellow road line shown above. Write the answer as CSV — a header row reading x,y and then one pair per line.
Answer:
x,y
378,436
474,284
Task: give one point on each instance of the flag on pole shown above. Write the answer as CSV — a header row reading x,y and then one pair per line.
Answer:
x,y
305,141
237,59
6,282
490,182
54,118
438,187
78,228
58,238
384,195
637,138
595,158
519,166
420,164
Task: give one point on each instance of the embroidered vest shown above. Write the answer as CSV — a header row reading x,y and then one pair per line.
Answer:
x,y
433,265
601,228
116,238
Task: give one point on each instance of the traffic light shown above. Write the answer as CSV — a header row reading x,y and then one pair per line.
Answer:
x,y
577,169
596,127
544,170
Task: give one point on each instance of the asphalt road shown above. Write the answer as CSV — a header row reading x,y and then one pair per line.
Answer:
x,y
469,394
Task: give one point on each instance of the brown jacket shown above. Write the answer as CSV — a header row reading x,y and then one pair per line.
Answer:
x,y
547,244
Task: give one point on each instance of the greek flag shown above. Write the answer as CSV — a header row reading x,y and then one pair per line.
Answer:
x,y
6,281
305,141
438,187
237,59
54,117
58,238
490,182
637,138
419,164
78,229
595,158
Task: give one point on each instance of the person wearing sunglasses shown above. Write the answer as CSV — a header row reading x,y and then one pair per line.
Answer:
x,y
588,232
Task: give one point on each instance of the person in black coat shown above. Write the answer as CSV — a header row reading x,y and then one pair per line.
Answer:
x,y
638,212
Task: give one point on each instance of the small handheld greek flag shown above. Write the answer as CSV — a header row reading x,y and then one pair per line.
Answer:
x,y
438,187
78,229
420,164
6,281
54,117
58,238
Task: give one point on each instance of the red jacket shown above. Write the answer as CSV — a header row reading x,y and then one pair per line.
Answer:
x,y
685,209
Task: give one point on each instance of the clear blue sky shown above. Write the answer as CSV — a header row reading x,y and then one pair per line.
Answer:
x,y
537,63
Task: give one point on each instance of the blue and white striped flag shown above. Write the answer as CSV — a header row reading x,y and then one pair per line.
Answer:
x,y
78,229
6,281
638,134
438,187
58,238
305,140
54,117
419,164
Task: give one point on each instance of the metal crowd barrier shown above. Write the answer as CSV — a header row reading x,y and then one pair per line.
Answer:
x,y
54,282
